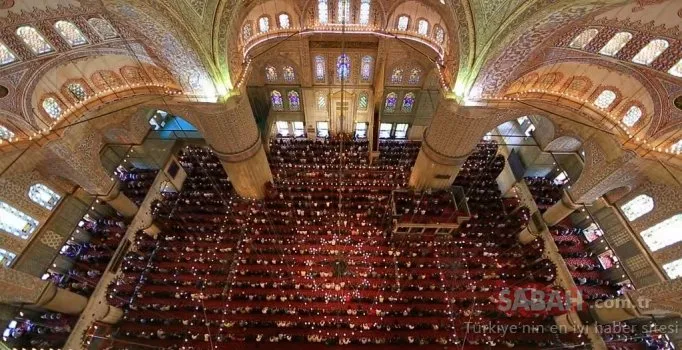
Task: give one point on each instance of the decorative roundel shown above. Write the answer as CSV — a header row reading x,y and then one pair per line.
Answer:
x,y
5,4
3,91
678,102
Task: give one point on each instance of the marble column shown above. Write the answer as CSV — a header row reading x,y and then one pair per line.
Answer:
x,y
560,210
231,131
119,202
61,300
19,288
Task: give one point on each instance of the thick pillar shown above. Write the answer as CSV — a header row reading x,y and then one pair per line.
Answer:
x,y
432,170
559,211
106,313
119,202
231,131
19,288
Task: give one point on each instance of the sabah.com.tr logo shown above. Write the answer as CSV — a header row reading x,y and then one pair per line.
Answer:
x,y
532,299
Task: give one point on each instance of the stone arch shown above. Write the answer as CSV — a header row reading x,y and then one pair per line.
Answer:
x,y
616,194
564,144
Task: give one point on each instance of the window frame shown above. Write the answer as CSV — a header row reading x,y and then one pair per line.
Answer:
x,y
397,131
362,130
280,125
299,132
319,130
383,133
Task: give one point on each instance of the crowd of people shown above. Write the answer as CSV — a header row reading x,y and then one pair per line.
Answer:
x,y
136,182
35,330
545,191
316,263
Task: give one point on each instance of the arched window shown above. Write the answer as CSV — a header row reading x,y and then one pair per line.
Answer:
x,y
320,70
6,257
270,73
423,27
103,28
632,116
343,67
284,22
366,68
77,91
391,102
44,196
288,74
276,99
664,233
673,269
363,101
6,56
51,106
247,31
415,76
583,39
343,11
5,134
651,51
408,103
397,76
322,12
16,222
34,40
439,34
615,44
637,207
605,99
364,11
294,101
676,70
403,22
263,24
321,102
70,33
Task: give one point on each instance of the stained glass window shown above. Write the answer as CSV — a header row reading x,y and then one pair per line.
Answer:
x,y
408,103
415,75
44,196
363,101
637,207
343,67
5,134
6,56
51,106
366,68
423,27
70,33
632,116
77,91
270,73
676,147
247,31
263,24
401,131
288,73
277,102
322,11
676,70
319,68
321,102
343,11
651,51
615,44
385,130
16,222
284,21
294,101
103,28
6,257
364,11
583,39
673,269
397,76
34,40
664,233
391,102
403,22
439,34
605,99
